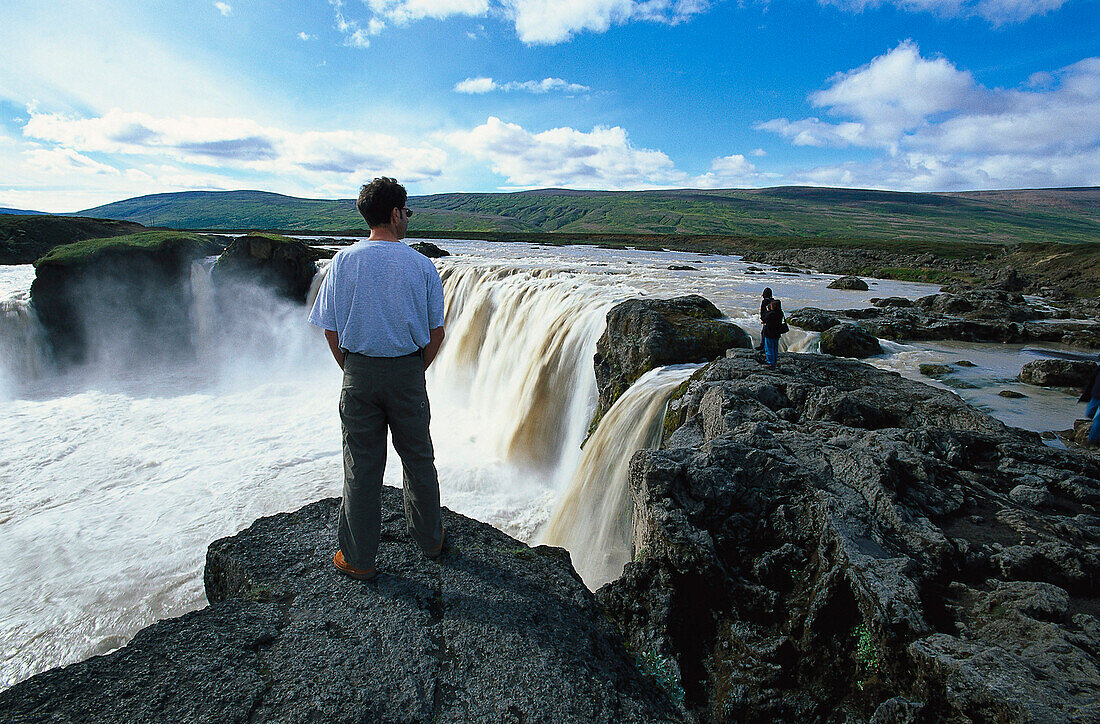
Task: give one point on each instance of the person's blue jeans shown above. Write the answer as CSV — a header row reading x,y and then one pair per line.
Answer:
x,y
771,350
1090,411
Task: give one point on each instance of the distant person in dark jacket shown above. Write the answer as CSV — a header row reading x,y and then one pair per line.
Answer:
x,y
765,302
1091,395
774,327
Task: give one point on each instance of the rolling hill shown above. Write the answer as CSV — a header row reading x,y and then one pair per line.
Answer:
x,y
823,214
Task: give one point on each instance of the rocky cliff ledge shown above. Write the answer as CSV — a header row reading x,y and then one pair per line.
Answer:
x,y
832,542
496,632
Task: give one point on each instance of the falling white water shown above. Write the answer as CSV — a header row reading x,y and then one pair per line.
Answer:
x,y
593,519
519,361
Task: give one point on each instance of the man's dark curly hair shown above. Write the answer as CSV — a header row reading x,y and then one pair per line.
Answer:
x,y
379,198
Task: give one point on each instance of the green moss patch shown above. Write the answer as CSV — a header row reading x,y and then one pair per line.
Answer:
x,y
81,252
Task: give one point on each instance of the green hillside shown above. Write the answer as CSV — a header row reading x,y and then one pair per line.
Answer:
x,y
821,214
24,238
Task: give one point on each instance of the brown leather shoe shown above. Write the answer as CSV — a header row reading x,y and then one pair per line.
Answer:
x,y
443,549
347,569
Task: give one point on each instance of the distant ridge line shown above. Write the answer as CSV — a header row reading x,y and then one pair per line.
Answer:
x,y
991,216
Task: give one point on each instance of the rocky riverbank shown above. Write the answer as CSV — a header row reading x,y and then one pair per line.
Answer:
x,y
832,542
497,631
978,315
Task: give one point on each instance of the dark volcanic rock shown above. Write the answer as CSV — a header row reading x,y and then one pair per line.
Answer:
x,y
981,315
643,334
286,266
849,340
108,298
832,542
981,304
854,283
813,319
1058,373
497,632
892,302
430,250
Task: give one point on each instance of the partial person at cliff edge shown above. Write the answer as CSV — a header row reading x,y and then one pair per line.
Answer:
x,y
1091,395
381,306
765,302
774,327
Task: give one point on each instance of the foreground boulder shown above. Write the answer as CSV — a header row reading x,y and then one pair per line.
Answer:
x,y
101,298
643,334
833,542
496,632
1074,374
849,340
286,266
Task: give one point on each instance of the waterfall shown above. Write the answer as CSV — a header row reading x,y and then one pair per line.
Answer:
x,y
518,357
800,340
593,518
204,309
23,354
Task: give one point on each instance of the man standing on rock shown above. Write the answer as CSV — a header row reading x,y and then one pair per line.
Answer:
x,y
381,306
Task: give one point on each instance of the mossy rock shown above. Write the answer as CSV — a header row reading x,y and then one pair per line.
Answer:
x,y
643,334
120,293
286,266
935,370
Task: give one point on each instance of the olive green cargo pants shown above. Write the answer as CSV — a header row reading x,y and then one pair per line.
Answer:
x,y
381,392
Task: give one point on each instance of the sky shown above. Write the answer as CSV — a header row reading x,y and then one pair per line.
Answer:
x,y
101,101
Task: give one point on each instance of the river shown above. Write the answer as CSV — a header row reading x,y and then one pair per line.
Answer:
x,y
117,475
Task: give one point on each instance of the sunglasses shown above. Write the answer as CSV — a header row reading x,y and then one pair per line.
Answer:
x,y
408,211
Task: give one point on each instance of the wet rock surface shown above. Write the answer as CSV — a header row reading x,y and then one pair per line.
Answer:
x,y
496,632
430,250
1073,374
832,542
286,266
979,315
854,283
643,334
849,340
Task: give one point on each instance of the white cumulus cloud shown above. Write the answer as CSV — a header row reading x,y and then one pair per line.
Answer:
x,y
998,12
731,172
404,11
237,144
306,36
481,85
224,8
603,158
554,21
544,22
355,35
941,129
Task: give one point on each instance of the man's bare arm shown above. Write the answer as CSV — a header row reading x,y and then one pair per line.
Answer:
x,y
334,344
433,345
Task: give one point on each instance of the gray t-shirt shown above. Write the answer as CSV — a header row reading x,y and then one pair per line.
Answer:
x,y
381,298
